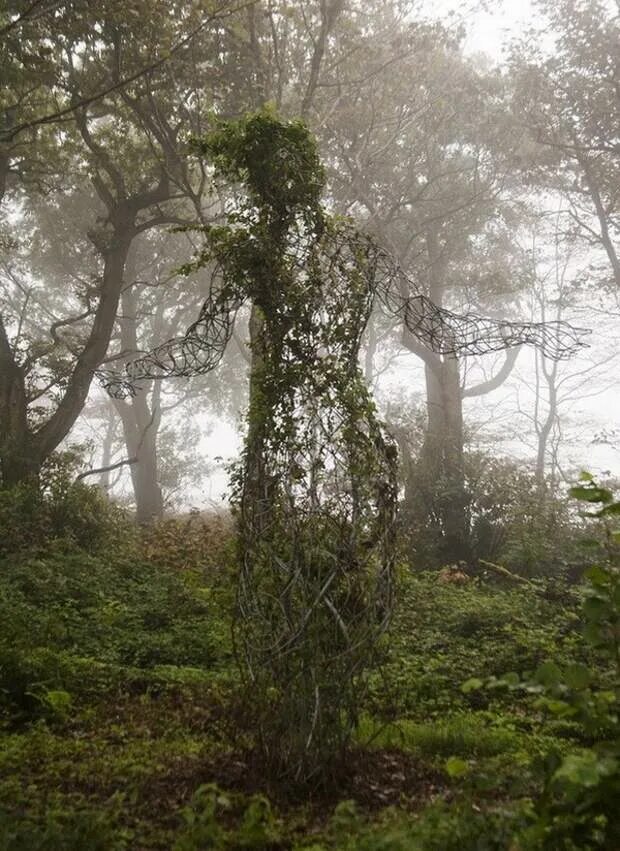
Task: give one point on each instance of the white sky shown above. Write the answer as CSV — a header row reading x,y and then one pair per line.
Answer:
x,y
487,31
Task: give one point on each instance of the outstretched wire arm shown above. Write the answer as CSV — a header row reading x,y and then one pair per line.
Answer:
x,y
198,351
448,333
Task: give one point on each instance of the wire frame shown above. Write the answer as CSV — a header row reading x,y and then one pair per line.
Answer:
x,y
444,332
316,490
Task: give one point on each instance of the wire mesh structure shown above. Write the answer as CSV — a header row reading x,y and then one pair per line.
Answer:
x,y
317,508
197,352
202,346
316,487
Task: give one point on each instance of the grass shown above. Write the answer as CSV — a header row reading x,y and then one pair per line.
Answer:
x,y
117,717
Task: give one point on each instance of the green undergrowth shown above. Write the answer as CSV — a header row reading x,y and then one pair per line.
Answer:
x,y
444,634
118,696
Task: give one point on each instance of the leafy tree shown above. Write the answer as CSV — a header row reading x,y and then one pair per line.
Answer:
x,y
420,151
567,101
123,138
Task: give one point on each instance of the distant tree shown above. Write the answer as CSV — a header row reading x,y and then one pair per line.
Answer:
x,y
559,390
566,81
125,139
112,101
419,149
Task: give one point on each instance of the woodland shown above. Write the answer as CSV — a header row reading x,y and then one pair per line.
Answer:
x,y
309,473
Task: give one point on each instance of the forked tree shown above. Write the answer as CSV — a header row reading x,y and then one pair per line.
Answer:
x,y
316,488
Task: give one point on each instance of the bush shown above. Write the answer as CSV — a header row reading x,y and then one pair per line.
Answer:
x,y
577,806
60,509
195,540
510,521
72,622
62,830
444,633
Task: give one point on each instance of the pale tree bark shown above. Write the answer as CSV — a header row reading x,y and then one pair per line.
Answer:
x,y
141,419
436,486
435,489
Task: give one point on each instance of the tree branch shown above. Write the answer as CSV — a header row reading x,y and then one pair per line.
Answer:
x,y
107,469
497,380
50,118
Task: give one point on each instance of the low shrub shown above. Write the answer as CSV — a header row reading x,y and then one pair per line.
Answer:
x,y
73,622
61,511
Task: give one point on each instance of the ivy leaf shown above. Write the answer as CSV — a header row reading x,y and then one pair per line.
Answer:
x,y
591,493
473,684
548,674
591,543
511,679
587,769
556,707
577,677
595,609
456,767
597,575
613,509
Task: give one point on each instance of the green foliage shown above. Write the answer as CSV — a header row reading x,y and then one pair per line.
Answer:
x,y
509,520
460,735
443,631
59,508
194,541
257,825
315,489
72,622
439,828
60,830
116,691
276,161
577,807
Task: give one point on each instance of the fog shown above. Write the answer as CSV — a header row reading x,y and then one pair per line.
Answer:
x,y
435,94
538,220
309,439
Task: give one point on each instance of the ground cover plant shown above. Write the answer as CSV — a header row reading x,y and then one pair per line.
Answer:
x,y
332,254
120,712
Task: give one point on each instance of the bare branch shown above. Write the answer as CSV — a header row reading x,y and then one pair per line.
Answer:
x,y
107,469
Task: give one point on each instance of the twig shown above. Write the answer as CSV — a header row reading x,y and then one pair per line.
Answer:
x,y
503,571
107,469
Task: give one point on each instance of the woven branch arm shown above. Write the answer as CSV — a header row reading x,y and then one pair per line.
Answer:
x,y
198,351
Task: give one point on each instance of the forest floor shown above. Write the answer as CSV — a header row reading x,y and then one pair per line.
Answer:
x,y
119,704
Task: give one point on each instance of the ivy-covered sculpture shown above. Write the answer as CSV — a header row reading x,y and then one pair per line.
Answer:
x,y
316,487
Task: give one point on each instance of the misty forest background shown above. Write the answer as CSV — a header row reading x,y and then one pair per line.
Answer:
x,y
488,717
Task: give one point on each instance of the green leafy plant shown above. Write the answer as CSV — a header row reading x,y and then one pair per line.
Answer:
x,y
207,822
61,509
577,806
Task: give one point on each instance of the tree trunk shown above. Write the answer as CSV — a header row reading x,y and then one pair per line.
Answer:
x,y
442,453
18,460
435,494
22,450
141,422
58,426
105,480
544,425
140,428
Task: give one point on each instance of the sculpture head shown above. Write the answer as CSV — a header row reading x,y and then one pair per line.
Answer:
x,y
277,163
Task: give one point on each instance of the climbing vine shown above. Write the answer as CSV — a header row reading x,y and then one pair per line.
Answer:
x,y
315,490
